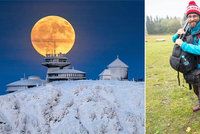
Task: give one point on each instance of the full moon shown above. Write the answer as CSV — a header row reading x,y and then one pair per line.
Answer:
x,y
52,35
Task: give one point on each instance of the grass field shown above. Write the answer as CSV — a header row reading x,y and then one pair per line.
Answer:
x,y
168,106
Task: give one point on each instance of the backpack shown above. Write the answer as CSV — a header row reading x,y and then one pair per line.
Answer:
x,y
182,61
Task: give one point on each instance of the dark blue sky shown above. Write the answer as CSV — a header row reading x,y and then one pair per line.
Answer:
x,y
104,29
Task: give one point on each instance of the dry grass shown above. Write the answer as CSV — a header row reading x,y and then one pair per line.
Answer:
x,y
168,106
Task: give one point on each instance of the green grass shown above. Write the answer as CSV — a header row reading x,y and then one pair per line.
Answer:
x,y
168,106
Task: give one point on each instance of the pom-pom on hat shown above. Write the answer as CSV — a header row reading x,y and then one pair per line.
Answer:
x,y
192,8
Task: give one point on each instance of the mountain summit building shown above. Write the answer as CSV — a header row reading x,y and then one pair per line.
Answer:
x,y
59,68
24,83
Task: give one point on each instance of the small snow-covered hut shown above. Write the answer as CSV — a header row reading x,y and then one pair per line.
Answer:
x,y
117,70
23,83
105,75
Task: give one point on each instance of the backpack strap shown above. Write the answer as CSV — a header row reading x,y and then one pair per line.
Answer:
x,y
178,78
190,86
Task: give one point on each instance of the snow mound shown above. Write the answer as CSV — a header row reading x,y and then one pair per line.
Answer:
x,y
75,107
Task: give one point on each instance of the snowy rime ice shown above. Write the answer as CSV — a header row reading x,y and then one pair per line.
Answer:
x,y
75,107
117,70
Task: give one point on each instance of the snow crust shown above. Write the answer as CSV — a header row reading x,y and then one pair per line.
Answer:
x,y
75,107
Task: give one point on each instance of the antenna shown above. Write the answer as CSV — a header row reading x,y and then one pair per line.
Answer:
x,y
54,47
50,41
45,51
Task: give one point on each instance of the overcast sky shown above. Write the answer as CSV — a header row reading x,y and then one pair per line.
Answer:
x,y
162,8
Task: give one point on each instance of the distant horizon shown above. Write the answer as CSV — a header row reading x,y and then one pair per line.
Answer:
x,y
164,16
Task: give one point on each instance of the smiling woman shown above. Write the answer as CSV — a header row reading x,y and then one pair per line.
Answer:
x,y
52,35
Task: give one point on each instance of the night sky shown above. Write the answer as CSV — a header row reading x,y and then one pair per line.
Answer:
x,y
104,29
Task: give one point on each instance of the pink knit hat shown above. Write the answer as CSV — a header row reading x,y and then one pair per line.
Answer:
x,y
192,8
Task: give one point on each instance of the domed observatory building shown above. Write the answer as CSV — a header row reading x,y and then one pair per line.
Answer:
x,y
59,68
117,70
23,83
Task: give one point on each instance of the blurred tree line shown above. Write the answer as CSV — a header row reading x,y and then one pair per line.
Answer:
x,y
168,25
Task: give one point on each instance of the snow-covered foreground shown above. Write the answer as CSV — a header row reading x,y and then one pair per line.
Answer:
x,y
75,107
